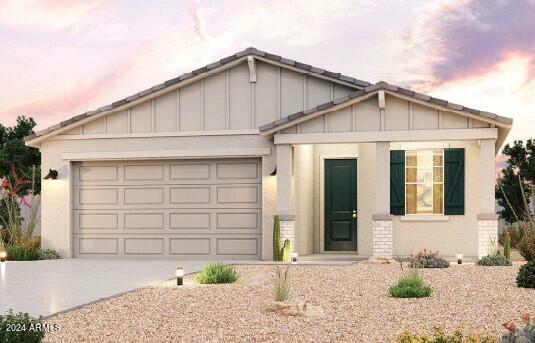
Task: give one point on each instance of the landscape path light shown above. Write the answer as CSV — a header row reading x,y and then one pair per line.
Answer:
x,y
179,276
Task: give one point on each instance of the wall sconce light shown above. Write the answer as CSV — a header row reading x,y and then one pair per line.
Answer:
x,y
294,258
274,172
52,175
459,258
179,276
3,256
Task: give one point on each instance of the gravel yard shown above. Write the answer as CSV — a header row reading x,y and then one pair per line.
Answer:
x,y
355,302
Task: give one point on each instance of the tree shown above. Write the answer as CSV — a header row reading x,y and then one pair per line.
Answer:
x,y
15,154
517,176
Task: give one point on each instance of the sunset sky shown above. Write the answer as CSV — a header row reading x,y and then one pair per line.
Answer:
x,y
62,58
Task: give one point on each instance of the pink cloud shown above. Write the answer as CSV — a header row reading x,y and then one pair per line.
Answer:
x,y
196,11
465,39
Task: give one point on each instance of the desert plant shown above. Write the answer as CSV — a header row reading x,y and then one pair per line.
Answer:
x,y
517,231
527,247
526,275
276,238
493,248
48,254
22,252
281,288
495,260
439,336
20,327
217,272
428,259
411,285
514,334
12,192
507,245
285,251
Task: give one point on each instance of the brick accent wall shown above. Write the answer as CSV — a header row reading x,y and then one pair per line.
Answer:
x,y
288,232
382,238
487,231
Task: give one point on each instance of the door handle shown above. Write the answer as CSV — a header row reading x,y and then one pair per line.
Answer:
x,y
354,213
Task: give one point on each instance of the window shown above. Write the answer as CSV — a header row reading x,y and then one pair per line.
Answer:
x,y
424,182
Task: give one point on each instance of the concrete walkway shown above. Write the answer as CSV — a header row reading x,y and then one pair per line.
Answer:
x,y
47,287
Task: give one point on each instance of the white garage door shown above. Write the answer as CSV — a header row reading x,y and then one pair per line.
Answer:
x,y
198,209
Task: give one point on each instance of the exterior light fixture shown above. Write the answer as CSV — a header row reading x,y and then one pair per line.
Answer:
x,y
179,276
52,175
294,258
3,256
274,172
459,258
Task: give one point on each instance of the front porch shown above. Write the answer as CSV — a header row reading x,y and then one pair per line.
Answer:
x,y
305,195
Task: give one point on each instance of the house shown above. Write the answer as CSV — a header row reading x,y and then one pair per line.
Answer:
x,y
196,168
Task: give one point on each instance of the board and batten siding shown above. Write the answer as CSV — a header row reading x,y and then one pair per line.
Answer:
x,y
398,115
223,101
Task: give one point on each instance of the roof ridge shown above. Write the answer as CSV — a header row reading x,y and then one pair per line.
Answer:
x,y
246,52
382,85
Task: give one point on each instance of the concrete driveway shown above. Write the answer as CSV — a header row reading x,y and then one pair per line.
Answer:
x,y
47,287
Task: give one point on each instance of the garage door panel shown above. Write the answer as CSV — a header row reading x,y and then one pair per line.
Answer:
x,y
144,172
97,221
237,246
189,171
243,170
144,246
190,195
137,221
190,246
97,196
98,246
98,173
144,196
238,194
197,209
191,221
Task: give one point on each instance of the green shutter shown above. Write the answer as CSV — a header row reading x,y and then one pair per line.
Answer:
x,y
397,182
453,181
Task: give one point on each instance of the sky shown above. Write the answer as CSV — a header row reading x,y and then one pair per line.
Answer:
x,y
64,57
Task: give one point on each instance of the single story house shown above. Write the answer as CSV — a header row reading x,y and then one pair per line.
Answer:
x,y
197,167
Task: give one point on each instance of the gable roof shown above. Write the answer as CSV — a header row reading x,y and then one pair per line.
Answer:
x,y
306,68
375,88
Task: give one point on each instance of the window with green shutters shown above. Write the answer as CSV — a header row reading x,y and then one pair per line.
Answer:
x,y
427,182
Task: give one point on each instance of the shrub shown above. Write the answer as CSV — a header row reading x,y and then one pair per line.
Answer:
x,y
527,247
526,275
276,238
496,260
281,288
217,273
439,336
514,334
22,252
48,254
507,245
20,327
428,259
411,285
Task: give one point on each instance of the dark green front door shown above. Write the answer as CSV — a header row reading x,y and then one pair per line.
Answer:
x,y
340,205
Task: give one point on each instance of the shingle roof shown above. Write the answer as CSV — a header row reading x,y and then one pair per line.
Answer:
x,y
388,87
247,52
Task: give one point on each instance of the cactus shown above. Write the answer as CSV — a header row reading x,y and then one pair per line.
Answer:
x,y
507,245
276,239
285,251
